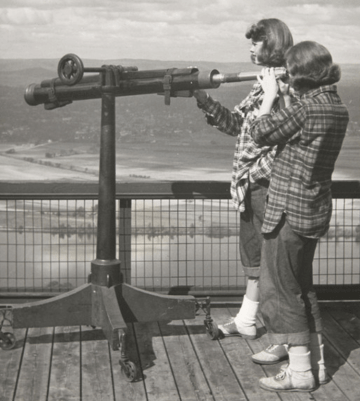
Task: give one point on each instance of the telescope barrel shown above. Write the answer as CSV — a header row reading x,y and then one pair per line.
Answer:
x,y
131,83
128,81
234,77
280,72
36,94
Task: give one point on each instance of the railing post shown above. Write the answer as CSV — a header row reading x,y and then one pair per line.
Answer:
x,y
125,239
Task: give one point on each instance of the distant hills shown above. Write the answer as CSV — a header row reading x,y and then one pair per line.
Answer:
x,y
142,119
22,72
23,123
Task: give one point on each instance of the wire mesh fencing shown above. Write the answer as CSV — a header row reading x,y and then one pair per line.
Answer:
x,y
47,245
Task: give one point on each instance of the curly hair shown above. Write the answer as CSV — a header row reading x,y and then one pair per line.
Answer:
x,y
310,65
276,38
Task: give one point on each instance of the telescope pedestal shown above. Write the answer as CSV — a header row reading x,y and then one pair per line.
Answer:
x,y
109,308
106,301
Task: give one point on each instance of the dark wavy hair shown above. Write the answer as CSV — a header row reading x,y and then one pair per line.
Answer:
x,y
276,38
310,65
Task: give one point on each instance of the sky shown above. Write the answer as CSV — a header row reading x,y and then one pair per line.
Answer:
x,y
200,30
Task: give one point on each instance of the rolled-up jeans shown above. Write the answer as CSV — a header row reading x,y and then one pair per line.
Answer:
x,y
288,301
251,221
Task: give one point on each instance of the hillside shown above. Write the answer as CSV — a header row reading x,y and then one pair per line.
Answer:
x,y
162,138
21,122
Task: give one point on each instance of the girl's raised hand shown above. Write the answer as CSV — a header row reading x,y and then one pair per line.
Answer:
x,y
283,87
268,82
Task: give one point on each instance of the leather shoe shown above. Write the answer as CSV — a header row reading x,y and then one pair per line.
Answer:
x,y
290,381
271,355
231,329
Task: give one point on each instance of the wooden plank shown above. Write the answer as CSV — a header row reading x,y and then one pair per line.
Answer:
x,y
354,307
343,361
142,190
324,392
347,316
157,374
178,363
96,378
133,190
334,390
65,367
238,352
124,390
260,344
218,372
35,367
124,235
10,366
189,377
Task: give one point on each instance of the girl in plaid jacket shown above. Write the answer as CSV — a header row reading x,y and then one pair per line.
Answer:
x,y
308,134
252,164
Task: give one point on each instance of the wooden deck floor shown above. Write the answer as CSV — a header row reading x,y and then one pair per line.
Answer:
x,y
177,361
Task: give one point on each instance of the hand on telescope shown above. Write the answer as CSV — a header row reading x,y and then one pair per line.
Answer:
x,y
200,95
270,88
284,92
268,82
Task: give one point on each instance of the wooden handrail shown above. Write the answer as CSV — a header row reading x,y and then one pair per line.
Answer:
x,y
142,190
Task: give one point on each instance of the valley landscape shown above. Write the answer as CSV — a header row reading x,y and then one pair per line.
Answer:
x,y
153,141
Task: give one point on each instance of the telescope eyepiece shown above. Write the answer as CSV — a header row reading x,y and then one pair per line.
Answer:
x,y
285,77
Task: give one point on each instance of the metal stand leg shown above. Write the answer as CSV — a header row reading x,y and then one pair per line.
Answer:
x,y
128,368
7,339
212,329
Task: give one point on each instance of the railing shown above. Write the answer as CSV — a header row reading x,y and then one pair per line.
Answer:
x,y
174,237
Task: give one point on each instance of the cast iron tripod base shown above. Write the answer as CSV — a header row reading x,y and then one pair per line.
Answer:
x,y
109,308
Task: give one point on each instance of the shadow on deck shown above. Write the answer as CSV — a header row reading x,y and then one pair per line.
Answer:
x,y
177,361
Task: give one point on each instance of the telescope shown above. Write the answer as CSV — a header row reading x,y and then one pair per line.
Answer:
x,y
72,84
108,300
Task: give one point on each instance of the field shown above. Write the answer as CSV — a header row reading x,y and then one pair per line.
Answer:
x,y
154,141
56,263
196,160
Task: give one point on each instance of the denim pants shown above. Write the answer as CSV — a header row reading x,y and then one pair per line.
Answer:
x,y
251,221
288,301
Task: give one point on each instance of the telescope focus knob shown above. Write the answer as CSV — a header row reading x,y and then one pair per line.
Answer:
x,y
70,69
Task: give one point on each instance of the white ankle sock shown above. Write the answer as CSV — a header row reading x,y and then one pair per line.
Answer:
x,y
300,362
247,313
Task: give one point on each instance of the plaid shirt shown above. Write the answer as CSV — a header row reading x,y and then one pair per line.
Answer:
x,y
309,135
251,161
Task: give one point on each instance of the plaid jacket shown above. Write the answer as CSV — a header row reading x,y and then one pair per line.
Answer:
x,y
308,135
250,160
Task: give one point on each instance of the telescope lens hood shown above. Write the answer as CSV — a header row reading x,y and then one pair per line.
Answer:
x,y
29,95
